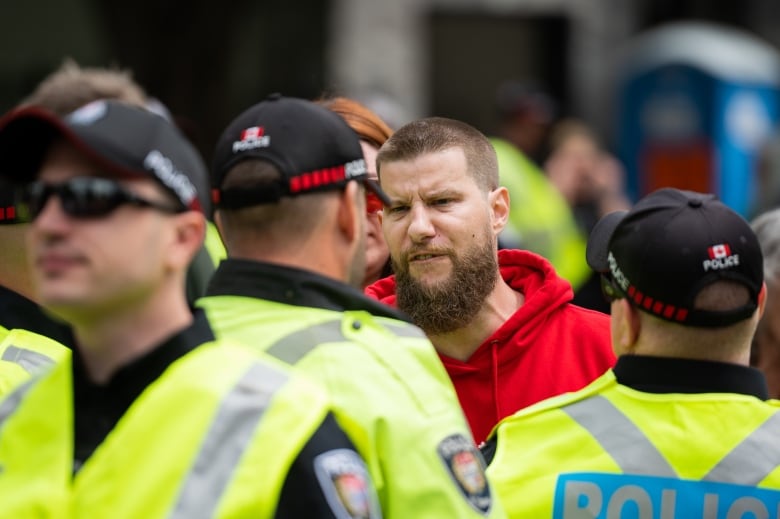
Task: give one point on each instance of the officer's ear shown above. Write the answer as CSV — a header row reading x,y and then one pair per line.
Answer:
x,y
350,212
189,231
625,326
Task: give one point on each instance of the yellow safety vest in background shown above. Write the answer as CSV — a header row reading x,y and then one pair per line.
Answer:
x,y
213,244
214,436
609,450
391,393
540,219
23,354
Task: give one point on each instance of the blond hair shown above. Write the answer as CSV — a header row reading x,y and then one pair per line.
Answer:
x,y
72,86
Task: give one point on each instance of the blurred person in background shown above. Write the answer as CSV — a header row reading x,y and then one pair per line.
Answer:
x,y
766,192
501,320
593,184
590,179
765,353
373,132
540,220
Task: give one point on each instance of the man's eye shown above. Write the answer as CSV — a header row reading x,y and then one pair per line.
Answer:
x,y
396,209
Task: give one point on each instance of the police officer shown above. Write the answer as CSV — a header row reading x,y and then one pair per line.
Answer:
x,y
30,339
152,417
291,187
681,427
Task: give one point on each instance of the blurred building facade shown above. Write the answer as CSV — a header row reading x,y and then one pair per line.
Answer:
x,y
207,60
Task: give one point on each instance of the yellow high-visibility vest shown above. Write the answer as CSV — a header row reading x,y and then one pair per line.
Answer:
x,y
391,394
609,449
213,436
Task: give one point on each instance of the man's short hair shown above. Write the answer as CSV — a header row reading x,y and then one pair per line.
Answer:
x,y
435,134
275,224
72,86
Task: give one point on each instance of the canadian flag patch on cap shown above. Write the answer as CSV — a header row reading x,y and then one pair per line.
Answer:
x,y
720,257
255,132
251,138
722,250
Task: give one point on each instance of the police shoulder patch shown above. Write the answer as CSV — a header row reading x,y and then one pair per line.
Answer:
x,y
345,482
466,467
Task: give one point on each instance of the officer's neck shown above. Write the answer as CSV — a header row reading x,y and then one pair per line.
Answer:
x,y
109,341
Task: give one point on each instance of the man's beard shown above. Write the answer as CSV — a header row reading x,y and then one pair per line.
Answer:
x,y
450,304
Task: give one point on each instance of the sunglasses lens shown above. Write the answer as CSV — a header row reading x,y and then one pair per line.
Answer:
x,y
80,197
88,197
34,198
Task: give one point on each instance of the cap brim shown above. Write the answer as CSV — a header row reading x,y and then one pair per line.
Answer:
x,y
26,134
597,249
374,187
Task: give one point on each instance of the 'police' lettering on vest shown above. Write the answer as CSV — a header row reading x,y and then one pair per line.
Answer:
x,y
623,496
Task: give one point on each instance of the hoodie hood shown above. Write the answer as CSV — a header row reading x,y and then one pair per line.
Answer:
x,y
544,293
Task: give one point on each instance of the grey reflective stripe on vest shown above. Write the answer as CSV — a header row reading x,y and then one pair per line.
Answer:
x,y
753,459
402,329
12,401
618,435
292,348
749,463
31,361
230,434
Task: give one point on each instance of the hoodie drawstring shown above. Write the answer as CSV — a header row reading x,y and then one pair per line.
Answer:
x,y
494,353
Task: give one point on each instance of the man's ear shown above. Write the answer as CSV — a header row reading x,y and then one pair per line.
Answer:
x,y
350,212
188,235
626,324
499,207
762,300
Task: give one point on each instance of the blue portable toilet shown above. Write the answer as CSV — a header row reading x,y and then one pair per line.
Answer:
x,y
696,103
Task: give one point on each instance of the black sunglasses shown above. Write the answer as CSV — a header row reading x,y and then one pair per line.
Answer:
x,y
84,197
609,289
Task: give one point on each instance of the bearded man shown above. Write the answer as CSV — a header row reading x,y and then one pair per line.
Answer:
x,y
501,320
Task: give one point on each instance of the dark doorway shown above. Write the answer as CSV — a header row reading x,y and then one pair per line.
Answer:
x,y
472,53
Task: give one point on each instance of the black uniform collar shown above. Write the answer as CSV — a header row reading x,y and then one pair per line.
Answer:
x,y
16,311
132,378
292,286
667,375
98,407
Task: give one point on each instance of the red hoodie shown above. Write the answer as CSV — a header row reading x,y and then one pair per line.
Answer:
x,y
547,347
